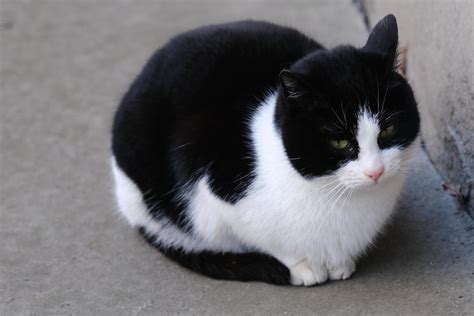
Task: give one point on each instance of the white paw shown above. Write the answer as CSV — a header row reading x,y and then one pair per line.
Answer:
x,y
303,273
342,271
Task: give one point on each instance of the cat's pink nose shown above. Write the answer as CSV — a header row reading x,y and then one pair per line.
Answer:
x,y
374,174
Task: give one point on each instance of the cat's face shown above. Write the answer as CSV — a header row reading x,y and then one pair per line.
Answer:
x,y
345,112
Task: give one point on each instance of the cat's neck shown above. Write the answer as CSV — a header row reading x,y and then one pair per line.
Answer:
x,y
272,162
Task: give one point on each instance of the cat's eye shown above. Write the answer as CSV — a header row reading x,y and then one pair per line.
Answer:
x,y
386,132
339,143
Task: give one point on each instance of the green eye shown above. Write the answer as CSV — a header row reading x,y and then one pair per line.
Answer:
x,y
386,131
339,143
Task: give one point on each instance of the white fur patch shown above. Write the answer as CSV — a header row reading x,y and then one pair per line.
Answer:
x,y
129,198
370,155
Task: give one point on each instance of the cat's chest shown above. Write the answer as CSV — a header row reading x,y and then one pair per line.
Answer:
x,y
293,207
289,215
294,203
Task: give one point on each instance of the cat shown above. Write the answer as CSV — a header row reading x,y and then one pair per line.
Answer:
x,y
247,151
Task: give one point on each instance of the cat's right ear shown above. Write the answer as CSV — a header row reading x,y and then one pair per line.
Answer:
x,y
293,86
384,38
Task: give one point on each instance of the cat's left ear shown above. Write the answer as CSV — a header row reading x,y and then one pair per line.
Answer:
x,y
384,38
294,87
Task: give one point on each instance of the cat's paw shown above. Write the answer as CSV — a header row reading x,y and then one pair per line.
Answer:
x,y
342,271
304,273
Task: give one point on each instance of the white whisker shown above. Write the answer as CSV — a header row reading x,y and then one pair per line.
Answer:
x,y
180,146
384,98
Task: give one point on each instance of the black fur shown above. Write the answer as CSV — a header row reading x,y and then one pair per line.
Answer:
x,y
187,115
250,266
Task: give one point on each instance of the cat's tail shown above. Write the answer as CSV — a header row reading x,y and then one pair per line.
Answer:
x,y
249,266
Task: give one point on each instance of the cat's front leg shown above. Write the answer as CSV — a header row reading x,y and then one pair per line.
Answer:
x,y
342,270
305,272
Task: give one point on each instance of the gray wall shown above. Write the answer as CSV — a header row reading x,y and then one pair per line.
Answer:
x,y
439,40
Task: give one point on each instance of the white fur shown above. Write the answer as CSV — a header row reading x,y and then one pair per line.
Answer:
x,y
370,155
129,198
317,228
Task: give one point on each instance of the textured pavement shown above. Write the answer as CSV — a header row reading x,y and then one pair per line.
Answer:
x,y
63,68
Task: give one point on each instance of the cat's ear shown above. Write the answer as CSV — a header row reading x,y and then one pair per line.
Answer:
x,y
384,38
293,86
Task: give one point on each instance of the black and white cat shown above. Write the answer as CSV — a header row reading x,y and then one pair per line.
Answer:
x,y
246,151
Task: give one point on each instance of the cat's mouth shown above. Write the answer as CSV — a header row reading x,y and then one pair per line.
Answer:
x,y
365,183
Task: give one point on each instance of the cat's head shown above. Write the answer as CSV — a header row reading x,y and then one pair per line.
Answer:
x,y
347,112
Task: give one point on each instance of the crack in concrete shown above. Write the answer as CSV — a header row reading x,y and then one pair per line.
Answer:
x,y
360,5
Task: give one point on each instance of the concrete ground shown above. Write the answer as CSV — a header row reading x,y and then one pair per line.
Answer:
x,y
64,66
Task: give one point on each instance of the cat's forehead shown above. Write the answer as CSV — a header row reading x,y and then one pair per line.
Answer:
x,y
346,118
352,82
344,69
346,81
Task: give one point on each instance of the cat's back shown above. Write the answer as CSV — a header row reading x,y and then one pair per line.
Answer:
x,y
233,60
